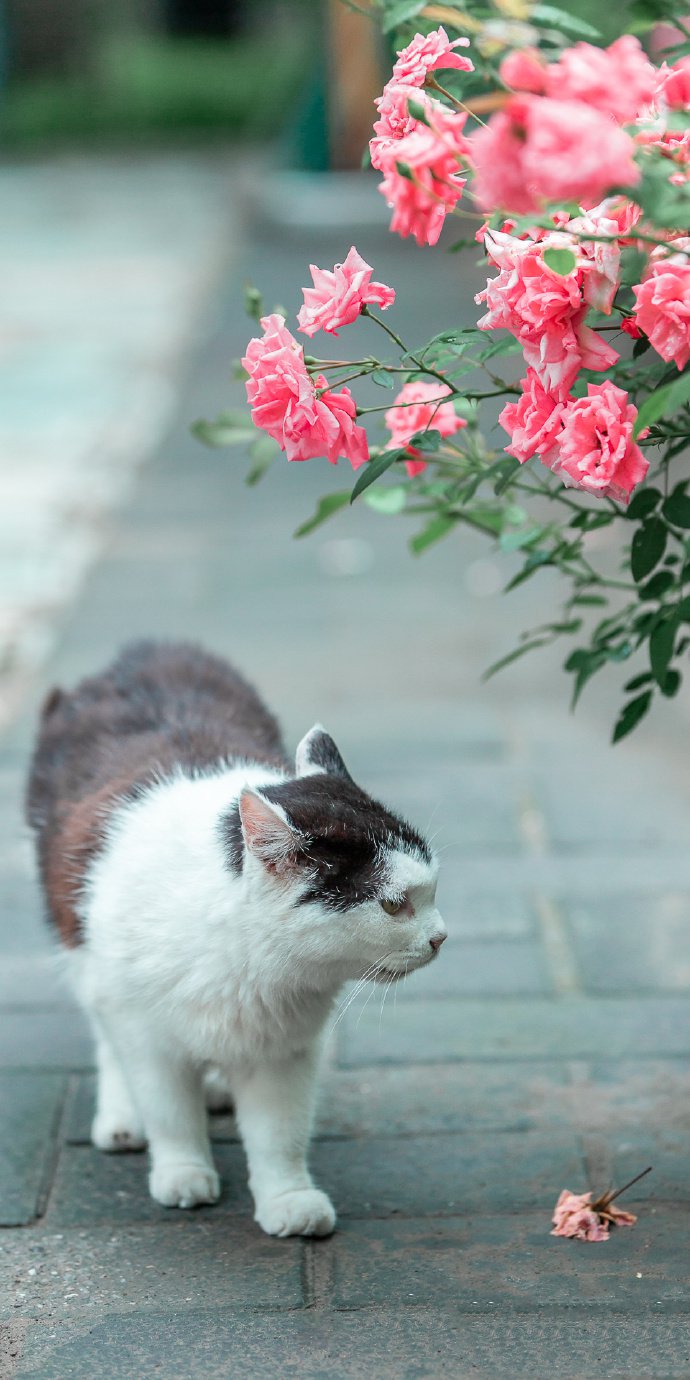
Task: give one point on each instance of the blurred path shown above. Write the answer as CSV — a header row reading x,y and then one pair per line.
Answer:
x,y
548,1047
108,266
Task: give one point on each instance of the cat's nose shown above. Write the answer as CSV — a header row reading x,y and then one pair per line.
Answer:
x,y
437,941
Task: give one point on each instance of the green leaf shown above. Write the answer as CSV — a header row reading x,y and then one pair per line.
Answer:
x,y
591,600
643,503
631,714
676,509
253,302
383,379
374,469
229,429
638,681
658,585
395,14
663,402
434,530
648,546
671,685
325,508
389,498
508,470
661,644
513,656
263,452
561,261
568,23
683,610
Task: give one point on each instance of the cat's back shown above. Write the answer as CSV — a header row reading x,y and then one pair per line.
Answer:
x,y
158,709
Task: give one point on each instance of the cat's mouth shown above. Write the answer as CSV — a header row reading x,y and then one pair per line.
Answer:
x,y
395,974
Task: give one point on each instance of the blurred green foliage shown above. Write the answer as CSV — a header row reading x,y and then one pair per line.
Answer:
x,y
147,87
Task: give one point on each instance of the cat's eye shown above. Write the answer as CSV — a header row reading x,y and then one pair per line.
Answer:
x,y
393,907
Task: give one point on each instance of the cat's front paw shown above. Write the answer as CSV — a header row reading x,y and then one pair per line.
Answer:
x,y
184,1185
299,1212
116,1134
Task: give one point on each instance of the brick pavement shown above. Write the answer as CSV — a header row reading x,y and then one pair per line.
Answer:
x,y
549,1046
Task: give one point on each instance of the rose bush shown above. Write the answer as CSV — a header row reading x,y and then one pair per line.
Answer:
x,y
573,159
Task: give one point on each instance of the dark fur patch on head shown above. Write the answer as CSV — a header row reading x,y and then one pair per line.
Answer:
x,y
342,837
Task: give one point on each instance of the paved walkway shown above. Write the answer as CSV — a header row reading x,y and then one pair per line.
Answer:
x,y
109,265
548,1047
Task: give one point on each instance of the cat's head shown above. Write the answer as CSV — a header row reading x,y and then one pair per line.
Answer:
x,y
355,883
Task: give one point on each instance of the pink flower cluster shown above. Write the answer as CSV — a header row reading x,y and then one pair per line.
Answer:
x,y
576,1215
559,138
420,158
588,442
338,295
662,309
299,412
546,310
419,407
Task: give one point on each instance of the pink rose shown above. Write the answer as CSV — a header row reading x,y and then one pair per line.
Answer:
x,y
618,81
543,309
417,408
524,70
575,1216
537,150
338,295
596,450
662,308
425,54
285,402
429,184
675,87
601,259
395,122
534,424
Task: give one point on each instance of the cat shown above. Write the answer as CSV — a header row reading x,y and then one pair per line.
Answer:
x,y
211,902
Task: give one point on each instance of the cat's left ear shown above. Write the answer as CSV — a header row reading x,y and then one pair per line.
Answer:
x,y
318,753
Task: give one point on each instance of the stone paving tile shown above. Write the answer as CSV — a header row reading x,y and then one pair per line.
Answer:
x,y
408,1344
508,1262
613,815
482,915
463,1097
634,942
91,1188
574,1028
374,1176
196,1262
30,1106
46,1038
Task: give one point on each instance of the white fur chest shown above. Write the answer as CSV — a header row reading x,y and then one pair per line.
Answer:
x,y
169,929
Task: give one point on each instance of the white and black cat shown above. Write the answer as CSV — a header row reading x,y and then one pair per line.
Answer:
x,y
212,901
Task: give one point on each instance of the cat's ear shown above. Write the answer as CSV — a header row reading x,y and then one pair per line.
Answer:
x,y
267,832
318,753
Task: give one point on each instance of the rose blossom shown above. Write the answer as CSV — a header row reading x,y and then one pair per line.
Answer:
x,y
675,85
543,309
524,70
338,295
596,450
538,150
416,409
618,80
662,308
395,122
285,403
430,185
576,1215
534,423
426,53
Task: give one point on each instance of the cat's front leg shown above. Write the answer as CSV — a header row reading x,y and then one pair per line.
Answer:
x,y
274,1107
167,1088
